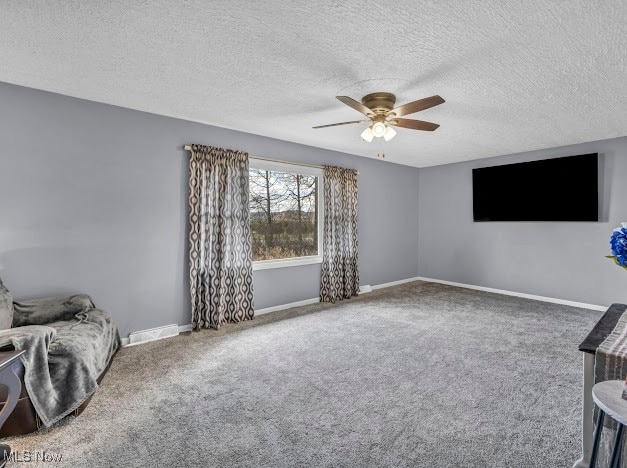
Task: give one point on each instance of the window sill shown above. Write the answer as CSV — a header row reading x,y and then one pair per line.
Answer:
x,y
284,263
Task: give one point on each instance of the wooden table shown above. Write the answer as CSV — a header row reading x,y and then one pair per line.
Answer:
x,y
9,378
588,347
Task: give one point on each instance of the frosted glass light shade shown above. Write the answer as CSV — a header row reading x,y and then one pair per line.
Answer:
x,y
367,135
389,134
378,129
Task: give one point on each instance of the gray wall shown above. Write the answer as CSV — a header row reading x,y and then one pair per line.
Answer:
x,y
560,260
94,199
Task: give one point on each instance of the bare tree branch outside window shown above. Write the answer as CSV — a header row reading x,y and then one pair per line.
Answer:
x,y
283,214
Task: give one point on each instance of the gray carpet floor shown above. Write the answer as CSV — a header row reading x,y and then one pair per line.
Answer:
x,y
421,375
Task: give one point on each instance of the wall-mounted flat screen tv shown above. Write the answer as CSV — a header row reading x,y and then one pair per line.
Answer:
x,y
559,189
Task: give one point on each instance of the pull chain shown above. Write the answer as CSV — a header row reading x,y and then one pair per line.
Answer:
x,y
381,153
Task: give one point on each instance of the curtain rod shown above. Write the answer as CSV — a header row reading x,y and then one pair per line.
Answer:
x,y
189,148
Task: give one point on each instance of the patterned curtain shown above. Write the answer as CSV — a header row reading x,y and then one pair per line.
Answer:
x,y
220,255
340,276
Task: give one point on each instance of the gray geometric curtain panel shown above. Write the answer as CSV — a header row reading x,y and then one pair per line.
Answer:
x,y
220,252
340,274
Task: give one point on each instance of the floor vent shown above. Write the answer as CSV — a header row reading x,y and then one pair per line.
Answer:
x,y
365,289
152,334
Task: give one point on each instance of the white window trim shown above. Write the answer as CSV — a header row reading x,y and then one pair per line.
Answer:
x,y
286,262
255,163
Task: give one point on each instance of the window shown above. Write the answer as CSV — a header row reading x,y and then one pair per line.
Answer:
x,y
285,214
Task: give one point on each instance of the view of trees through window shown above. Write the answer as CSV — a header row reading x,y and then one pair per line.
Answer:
x,y
283,214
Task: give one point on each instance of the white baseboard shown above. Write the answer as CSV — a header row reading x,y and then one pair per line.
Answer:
x,y
267,310
553,300
364,289
394,283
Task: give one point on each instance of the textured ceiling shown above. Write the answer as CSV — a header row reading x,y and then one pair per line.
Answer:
x,y
516,76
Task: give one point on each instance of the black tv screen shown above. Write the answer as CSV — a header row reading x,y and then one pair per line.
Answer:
x,y
559,189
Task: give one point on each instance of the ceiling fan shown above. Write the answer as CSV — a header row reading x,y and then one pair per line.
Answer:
x,y
379,108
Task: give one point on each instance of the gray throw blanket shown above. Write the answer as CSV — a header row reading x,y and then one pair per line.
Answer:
x,y
68,344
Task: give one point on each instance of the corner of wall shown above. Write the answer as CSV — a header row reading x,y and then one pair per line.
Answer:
x,y
418,171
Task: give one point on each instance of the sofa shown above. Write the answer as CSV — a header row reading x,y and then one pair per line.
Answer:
x,y
69,344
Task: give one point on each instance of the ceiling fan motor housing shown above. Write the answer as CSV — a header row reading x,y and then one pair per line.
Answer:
x,y
379,103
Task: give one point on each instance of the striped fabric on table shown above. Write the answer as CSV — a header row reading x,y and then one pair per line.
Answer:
x,y
610,363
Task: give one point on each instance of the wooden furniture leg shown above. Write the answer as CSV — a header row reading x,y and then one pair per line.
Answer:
x,y
9,378
588,408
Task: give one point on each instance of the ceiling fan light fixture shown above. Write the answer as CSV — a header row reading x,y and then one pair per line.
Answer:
x,y
378,129
367,135
381,113
389,133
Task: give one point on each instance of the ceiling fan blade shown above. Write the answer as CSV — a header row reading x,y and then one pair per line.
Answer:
x,y
414,124
416,106
358,106
341,123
